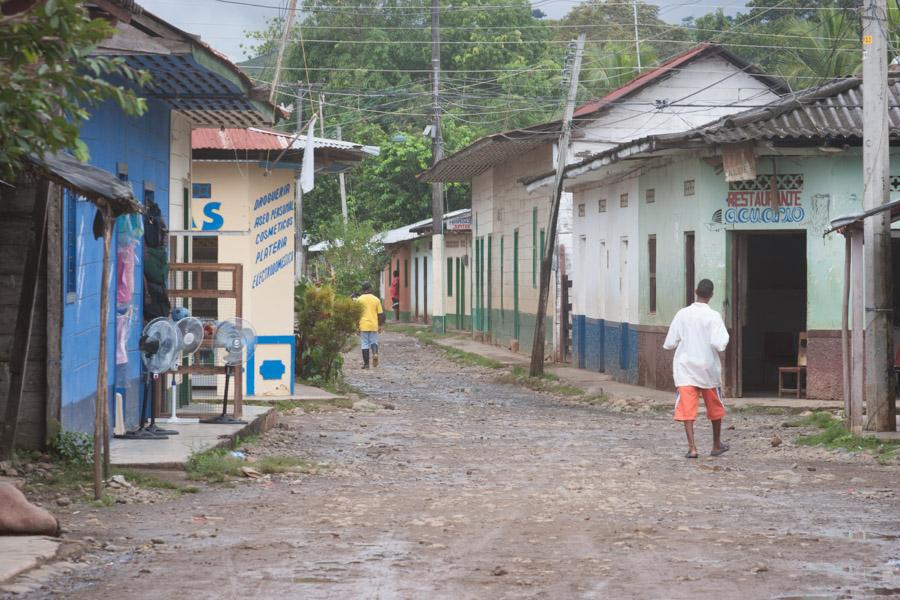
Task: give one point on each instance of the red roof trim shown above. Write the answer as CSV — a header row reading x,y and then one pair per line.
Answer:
x,y
644,78
238,139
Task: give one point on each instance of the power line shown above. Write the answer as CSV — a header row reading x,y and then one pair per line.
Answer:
x,y
426,10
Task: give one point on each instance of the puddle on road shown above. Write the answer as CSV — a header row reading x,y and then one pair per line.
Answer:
x,y
872,535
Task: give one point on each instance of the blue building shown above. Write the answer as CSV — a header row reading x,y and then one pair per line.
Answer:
x,y
191,86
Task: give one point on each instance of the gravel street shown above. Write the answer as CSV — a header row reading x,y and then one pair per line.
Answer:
x,y
445,483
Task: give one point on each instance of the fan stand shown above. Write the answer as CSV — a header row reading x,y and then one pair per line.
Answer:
x,y
152,428
143,433
224,419
174,419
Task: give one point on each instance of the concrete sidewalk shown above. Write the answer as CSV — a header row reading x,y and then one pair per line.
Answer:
x,y
303,392
174,452
20,553
594,383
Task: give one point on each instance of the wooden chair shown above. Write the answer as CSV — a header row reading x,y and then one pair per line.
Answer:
x,y
799,371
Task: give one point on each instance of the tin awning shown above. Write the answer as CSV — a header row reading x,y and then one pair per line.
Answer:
x,y
100,187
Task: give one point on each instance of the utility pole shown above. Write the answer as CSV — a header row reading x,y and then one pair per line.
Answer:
x,y
537,348
637,38
437,188
284,36
299,265
342,183
879,342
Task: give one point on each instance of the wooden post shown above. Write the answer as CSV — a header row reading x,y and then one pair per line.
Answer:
x,y
537,347
237,286
101,422
857,384
18,359
845,329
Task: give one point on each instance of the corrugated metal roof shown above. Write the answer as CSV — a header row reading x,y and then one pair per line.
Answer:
x,y
101,187
403,233
830,111
481,155
255,138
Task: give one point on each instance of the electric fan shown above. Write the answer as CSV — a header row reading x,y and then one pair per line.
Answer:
x,y
160,345
237,340
191,330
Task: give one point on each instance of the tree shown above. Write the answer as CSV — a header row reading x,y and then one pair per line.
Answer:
x,y
353,255
823,51
502,72
48,79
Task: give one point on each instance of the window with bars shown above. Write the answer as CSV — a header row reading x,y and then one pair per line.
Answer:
x,y
651,255
688,187
581,210
650,196
601,205
623,200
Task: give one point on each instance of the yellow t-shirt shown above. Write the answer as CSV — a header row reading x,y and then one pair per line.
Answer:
x,y
371,309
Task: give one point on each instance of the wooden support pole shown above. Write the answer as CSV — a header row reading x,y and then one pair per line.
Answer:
x,y
18,359
101,421
537,347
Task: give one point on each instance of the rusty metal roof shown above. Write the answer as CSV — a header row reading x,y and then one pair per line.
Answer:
x,y
255,138
483,154
100,187
671,66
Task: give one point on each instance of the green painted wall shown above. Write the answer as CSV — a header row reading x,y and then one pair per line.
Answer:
x,y
832,187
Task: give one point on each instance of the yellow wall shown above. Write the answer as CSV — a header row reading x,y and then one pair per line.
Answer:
x,y
255,213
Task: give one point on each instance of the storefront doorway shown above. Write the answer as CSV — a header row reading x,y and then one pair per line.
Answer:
x,y
769,309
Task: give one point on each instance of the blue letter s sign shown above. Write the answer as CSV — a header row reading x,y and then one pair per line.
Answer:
x,y
213,220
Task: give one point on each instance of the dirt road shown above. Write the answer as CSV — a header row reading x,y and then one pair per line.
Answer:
x,y
457,486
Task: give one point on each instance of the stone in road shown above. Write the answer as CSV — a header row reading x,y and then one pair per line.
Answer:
x,y
474,489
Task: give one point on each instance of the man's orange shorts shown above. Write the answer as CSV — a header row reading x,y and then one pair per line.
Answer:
x,y
688,398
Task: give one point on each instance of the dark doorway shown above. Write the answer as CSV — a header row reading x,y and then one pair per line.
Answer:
x,y
773,301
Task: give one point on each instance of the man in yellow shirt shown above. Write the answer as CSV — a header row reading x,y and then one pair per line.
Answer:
x,y
371,323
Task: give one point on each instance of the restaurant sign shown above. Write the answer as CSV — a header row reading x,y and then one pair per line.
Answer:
x,y
755,201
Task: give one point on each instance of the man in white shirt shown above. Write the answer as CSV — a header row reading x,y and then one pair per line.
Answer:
x,y
698,334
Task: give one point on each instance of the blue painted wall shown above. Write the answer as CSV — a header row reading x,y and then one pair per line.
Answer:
x,y
607,347
143,144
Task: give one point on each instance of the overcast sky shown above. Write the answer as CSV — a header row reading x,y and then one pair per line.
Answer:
x,y
222,25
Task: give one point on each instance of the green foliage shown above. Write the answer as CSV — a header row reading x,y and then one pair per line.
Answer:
x,y
835,436
325,325
73,447
217,465
48,78
354,255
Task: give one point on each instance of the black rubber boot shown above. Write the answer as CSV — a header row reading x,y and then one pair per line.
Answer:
x,y
375,355
365,359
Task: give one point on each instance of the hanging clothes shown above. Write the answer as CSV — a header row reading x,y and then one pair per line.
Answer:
x,y
123,328
124,275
